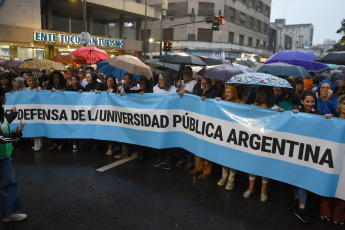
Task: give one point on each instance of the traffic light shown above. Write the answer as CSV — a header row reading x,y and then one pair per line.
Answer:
x,y
216,22
167,46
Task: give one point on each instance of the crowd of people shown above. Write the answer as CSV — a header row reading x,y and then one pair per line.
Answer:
x,y
323,94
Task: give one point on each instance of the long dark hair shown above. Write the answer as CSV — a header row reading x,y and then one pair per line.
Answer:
x,y
62,81
306,94
271,100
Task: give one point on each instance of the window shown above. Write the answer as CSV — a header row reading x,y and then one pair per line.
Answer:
x,y
205,35
258,25
257,43
267,10
206,9
231,37
171,9
265,44
243,18
229,13
250,41
259,7
241,40
168,34
251,22
181,9
266,28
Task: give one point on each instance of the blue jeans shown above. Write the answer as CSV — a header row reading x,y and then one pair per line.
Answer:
x,y
9,190
302,195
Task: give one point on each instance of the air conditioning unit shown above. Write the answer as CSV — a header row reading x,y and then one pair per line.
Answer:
x,y
191,37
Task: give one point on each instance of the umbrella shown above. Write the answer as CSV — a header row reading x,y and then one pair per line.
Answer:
x,y
247,63
91,54
215,60
241,67
259,79
156,64
220,72
69,59
109,70
282,69
42,64
126,63
10,64
182,58
332,58
341,68
297,57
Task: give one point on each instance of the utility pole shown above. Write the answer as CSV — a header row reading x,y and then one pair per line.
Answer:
x,y
164,10
145,43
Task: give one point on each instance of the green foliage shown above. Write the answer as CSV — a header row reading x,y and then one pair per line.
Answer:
x,y
340,46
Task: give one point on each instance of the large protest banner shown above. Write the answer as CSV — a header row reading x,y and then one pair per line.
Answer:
x,y
301,149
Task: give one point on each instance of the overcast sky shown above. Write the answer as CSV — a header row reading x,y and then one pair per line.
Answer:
x,y
325,15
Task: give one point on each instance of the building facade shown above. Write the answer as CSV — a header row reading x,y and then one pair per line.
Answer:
x,y
45,28
281,38
245,33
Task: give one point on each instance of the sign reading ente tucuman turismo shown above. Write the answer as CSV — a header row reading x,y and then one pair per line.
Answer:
x,y
75,39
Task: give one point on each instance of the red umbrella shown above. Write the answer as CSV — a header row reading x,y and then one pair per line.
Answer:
x,y
91,54
69,59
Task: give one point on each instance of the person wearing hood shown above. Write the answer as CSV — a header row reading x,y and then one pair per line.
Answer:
x,y
93,85
228,174
18,84
164,85
326,101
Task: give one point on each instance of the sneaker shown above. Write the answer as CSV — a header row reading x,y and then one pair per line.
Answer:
x,y
188,167
15,217
60,147
325,218
121,155
222,181
230,185
247,193
180,163
75,149
263,197
302,215
340,223
37,148
53,146
158,163
194,172
203,176
33,147
109,152
166,166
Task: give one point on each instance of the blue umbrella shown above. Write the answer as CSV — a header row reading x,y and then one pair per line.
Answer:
x,y
297,57
282,69
107,69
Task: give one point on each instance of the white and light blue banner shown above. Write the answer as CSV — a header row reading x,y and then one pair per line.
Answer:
x,y
301,149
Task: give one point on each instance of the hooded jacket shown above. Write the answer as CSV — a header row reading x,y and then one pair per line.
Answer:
x,y
325,106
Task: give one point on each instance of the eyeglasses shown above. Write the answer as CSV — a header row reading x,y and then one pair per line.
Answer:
x,y
325,88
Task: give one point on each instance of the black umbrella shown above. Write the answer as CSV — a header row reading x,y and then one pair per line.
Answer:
x,y
282,69
215,60
182,58
337,58
156,64
220,72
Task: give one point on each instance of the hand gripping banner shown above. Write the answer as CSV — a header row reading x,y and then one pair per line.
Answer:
x,y
304,150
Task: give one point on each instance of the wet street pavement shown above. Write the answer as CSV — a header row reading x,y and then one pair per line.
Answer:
x,y
64,190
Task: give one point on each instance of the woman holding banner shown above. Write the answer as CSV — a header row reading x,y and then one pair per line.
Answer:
x,y
266,99
228,174
308,105
334,208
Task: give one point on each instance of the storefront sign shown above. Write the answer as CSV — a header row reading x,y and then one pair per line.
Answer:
x,y
75,39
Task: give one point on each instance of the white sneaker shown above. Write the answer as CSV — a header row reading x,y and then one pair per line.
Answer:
x,y
15,217
222,181
230,185
37,148
247,193
109,152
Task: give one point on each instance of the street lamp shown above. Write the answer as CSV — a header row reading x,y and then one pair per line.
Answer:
x,y
151,40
